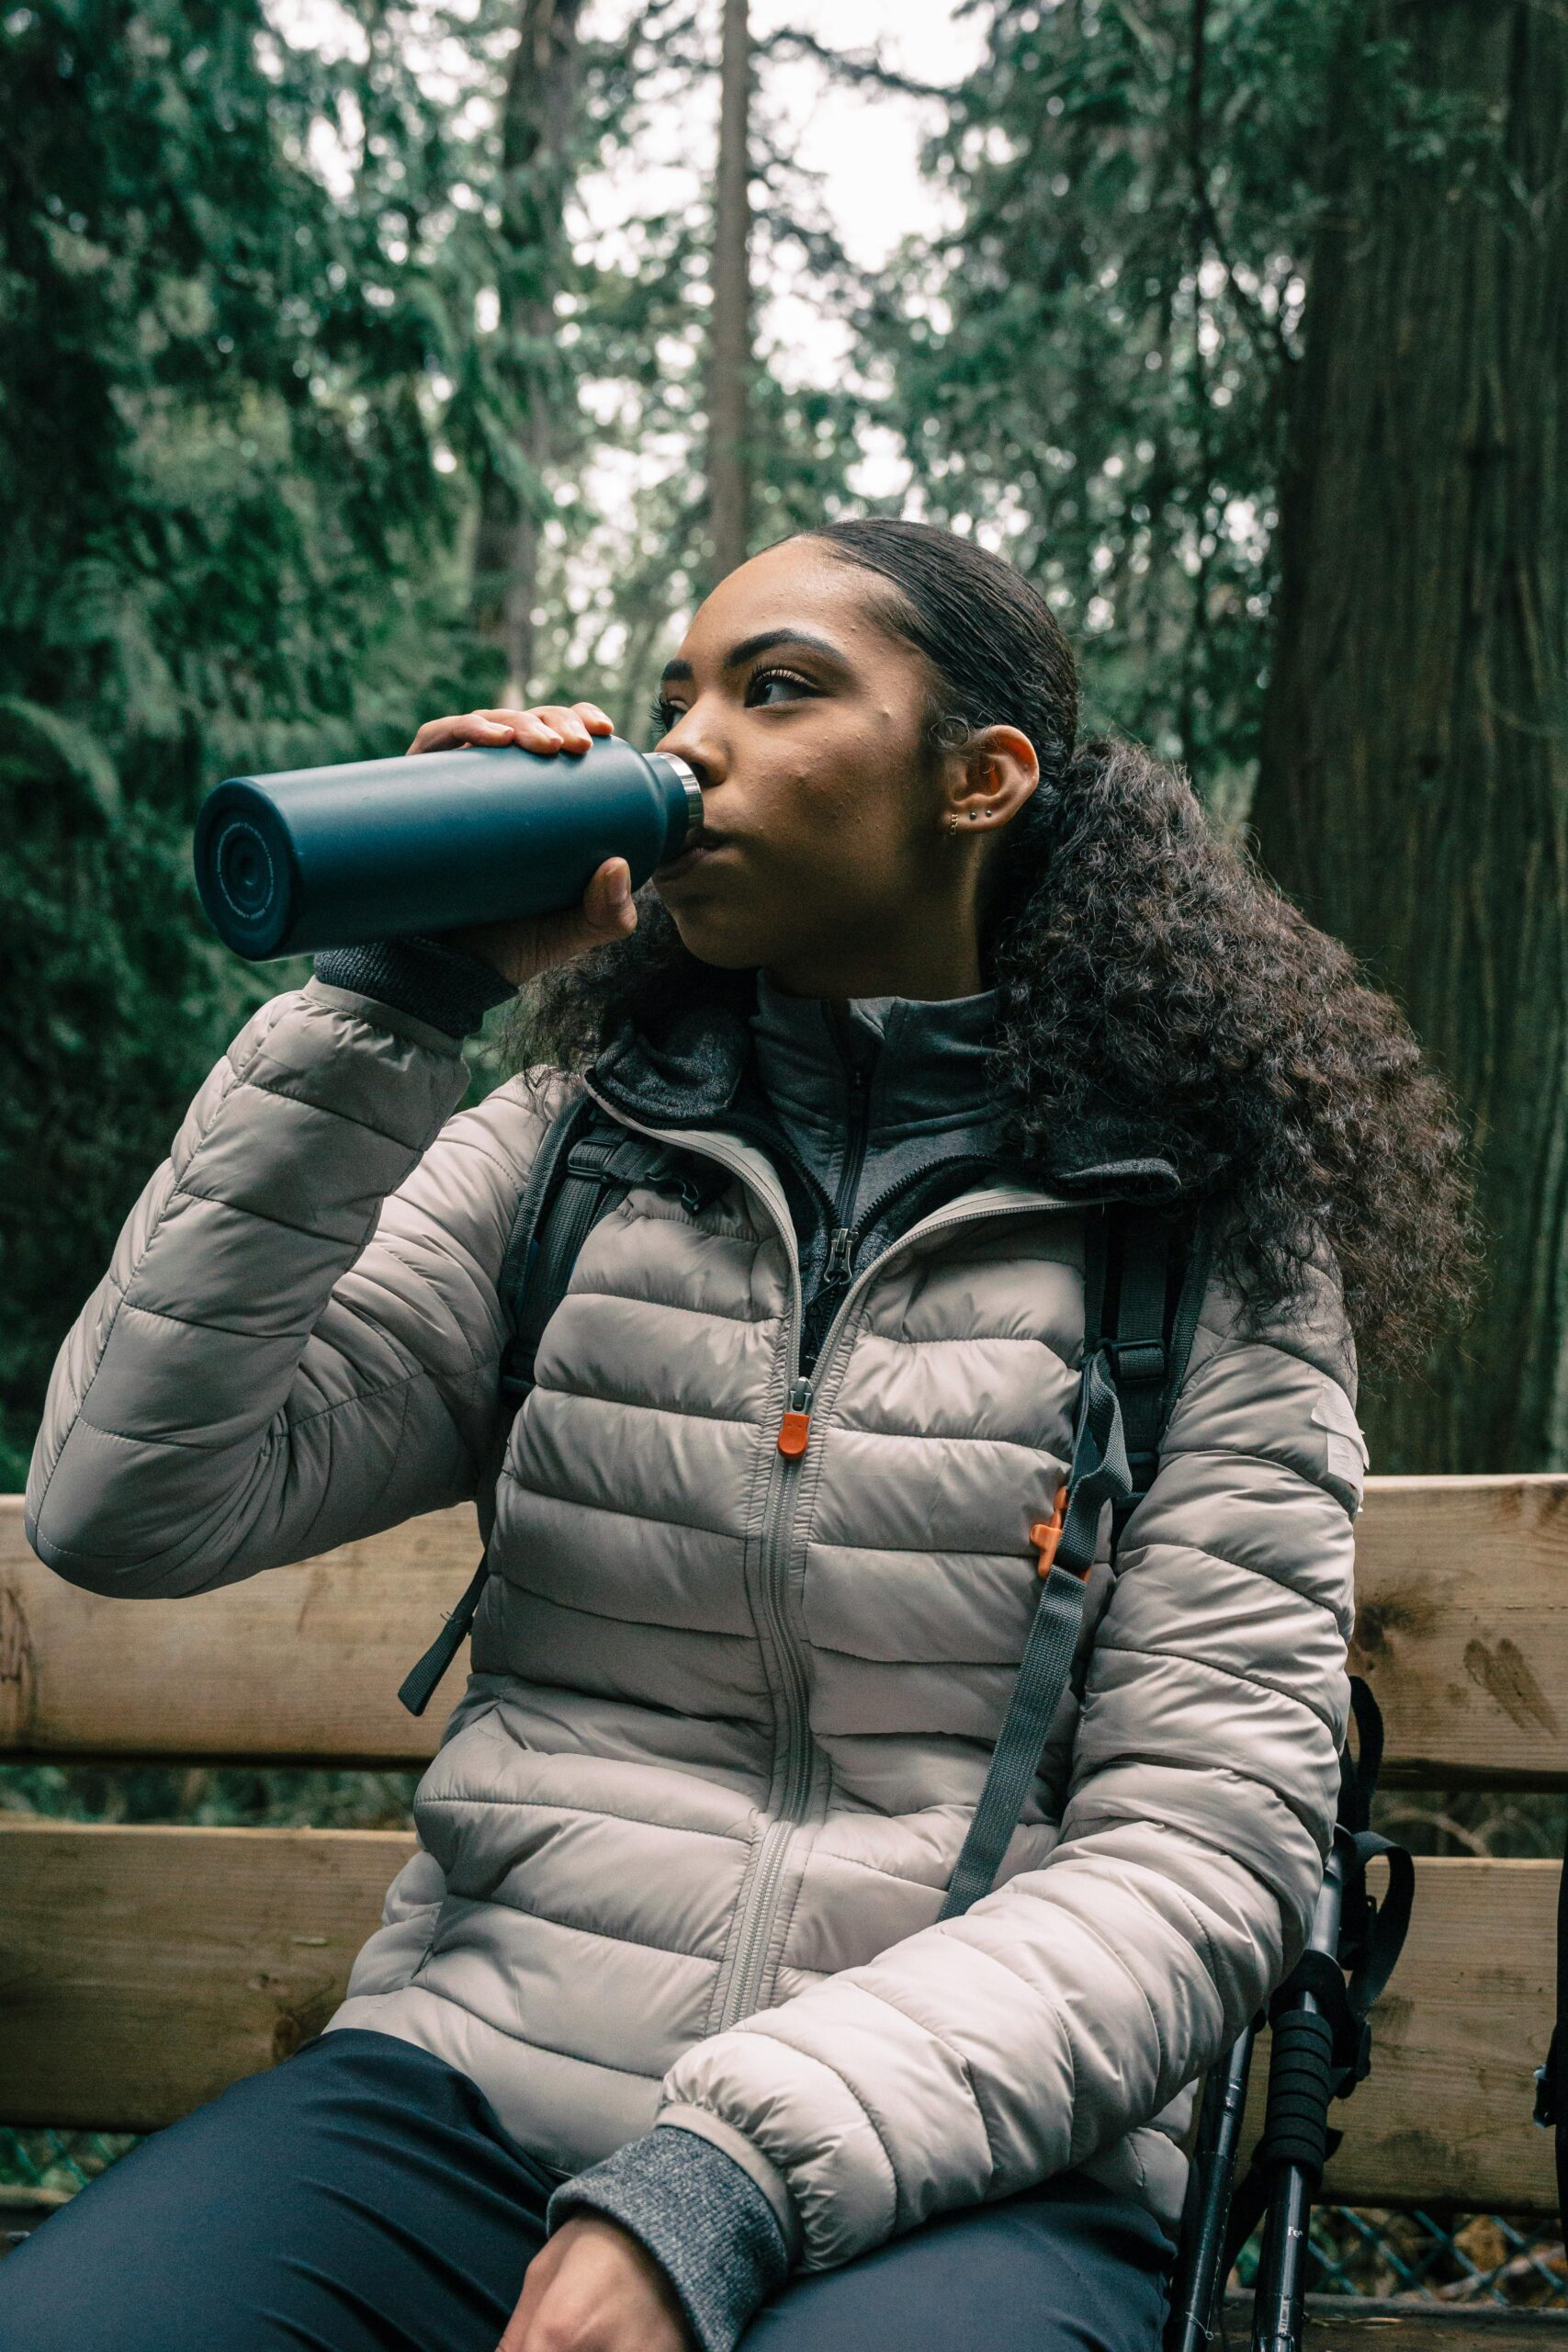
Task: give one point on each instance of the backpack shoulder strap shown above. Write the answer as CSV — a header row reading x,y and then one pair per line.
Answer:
x,y
1139,1318
544,1177
1160,1272
1137,1323
570,1186
586,1163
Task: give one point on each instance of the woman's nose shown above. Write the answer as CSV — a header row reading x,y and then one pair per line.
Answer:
x,y
697,744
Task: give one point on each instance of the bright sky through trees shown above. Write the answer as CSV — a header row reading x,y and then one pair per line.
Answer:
x,y
860,145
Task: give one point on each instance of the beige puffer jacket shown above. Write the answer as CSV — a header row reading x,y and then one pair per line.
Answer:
x,y
682,1850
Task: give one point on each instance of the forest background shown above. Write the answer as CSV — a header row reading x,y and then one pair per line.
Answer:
x,y
326,403
331,400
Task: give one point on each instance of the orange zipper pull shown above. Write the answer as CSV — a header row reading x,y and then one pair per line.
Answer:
x,y
1046,1533
796,1427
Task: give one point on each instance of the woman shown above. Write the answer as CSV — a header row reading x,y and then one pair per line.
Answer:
x,y
932,986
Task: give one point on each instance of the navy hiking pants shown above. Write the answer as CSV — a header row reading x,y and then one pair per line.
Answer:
x,y
363,2198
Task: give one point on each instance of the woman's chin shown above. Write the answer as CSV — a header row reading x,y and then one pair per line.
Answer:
x,y
715,928
726,950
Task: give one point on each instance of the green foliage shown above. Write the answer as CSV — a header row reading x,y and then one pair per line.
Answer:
x,y
272,317
107,1012
227,543
207,1797
1093,368
214,448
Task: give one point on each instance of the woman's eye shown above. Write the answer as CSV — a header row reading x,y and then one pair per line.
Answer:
x,y
663,715
765,678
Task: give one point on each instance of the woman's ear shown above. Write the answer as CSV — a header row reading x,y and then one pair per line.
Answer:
x,y
993,777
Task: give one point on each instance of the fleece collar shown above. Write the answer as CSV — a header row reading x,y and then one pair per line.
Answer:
x,y
704,1064
925,1063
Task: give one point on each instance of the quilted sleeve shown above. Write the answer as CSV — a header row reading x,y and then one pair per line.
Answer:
x,y
1068,2008
298,1338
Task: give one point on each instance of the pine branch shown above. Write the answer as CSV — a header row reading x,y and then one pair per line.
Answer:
x,y
1267,335
852,66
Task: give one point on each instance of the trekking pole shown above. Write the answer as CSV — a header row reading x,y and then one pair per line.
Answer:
x,y
1303,2074
1322,2045
1201,2264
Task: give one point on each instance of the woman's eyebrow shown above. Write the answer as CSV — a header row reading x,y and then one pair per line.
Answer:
x,y
750,646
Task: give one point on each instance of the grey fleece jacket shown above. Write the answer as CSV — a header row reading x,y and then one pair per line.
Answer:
x,y
878,1105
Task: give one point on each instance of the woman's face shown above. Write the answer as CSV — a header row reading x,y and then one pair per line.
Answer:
x,y
826,853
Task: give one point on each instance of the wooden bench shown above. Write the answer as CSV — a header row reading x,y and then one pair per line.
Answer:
x,y
142,1969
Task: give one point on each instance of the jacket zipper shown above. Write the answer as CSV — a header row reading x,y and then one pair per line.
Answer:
x,y
795,1427
793,1771
857,1076
794,1749
760,1900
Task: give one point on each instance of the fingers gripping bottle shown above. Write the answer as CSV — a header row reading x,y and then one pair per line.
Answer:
x,y
385,849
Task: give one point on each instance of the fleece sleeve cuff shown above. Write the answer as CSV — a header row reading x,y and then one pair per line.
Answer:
x,y
702,2219
424,977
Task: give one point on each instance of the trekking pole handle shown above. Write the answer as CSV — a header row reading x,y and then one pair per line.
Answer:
x,y
1281,2267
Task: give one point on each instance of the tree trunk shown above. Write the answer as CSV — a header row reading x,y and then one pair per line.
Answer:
x,y
538,127
729,345
1413,793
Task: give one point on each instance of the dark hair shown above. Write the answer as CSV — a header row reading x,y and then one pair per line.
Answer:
x,y
1144,968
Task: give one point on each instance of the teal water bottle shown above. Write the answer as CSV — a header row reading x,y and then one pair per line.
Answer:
x,y
387,849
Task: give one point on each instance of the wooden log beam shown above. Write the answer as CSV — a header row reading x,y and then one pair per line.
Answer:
x,y
1462,1629
142,1970
298,1666
1462,1633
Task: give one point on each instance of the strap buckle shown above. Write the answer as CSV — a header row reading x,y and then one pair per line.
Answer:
x,y
1046,1533
1136,1361
613,1159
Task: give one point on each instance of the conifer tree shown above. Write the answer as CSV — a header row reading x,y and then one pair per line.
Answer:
x,y
1089,368
729,319
540,137
1414,790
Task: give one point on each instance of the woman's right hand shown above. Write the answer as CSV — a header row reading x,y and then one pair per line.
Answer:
x,y
605,911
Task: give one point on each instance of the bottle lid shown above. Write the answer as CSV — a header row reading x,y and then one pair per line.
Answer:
x,y
680,829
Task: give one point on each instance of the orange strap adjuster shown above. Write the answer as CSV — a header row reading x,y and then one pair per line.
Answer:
x,y
1046,1533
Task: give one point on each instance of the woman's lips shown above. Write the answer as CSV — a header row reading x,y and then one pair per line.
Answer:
x,y
696,853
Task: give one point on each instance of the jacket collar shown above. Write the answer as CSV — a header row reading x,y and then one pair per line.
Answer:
x,y
925,1064
693,1069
